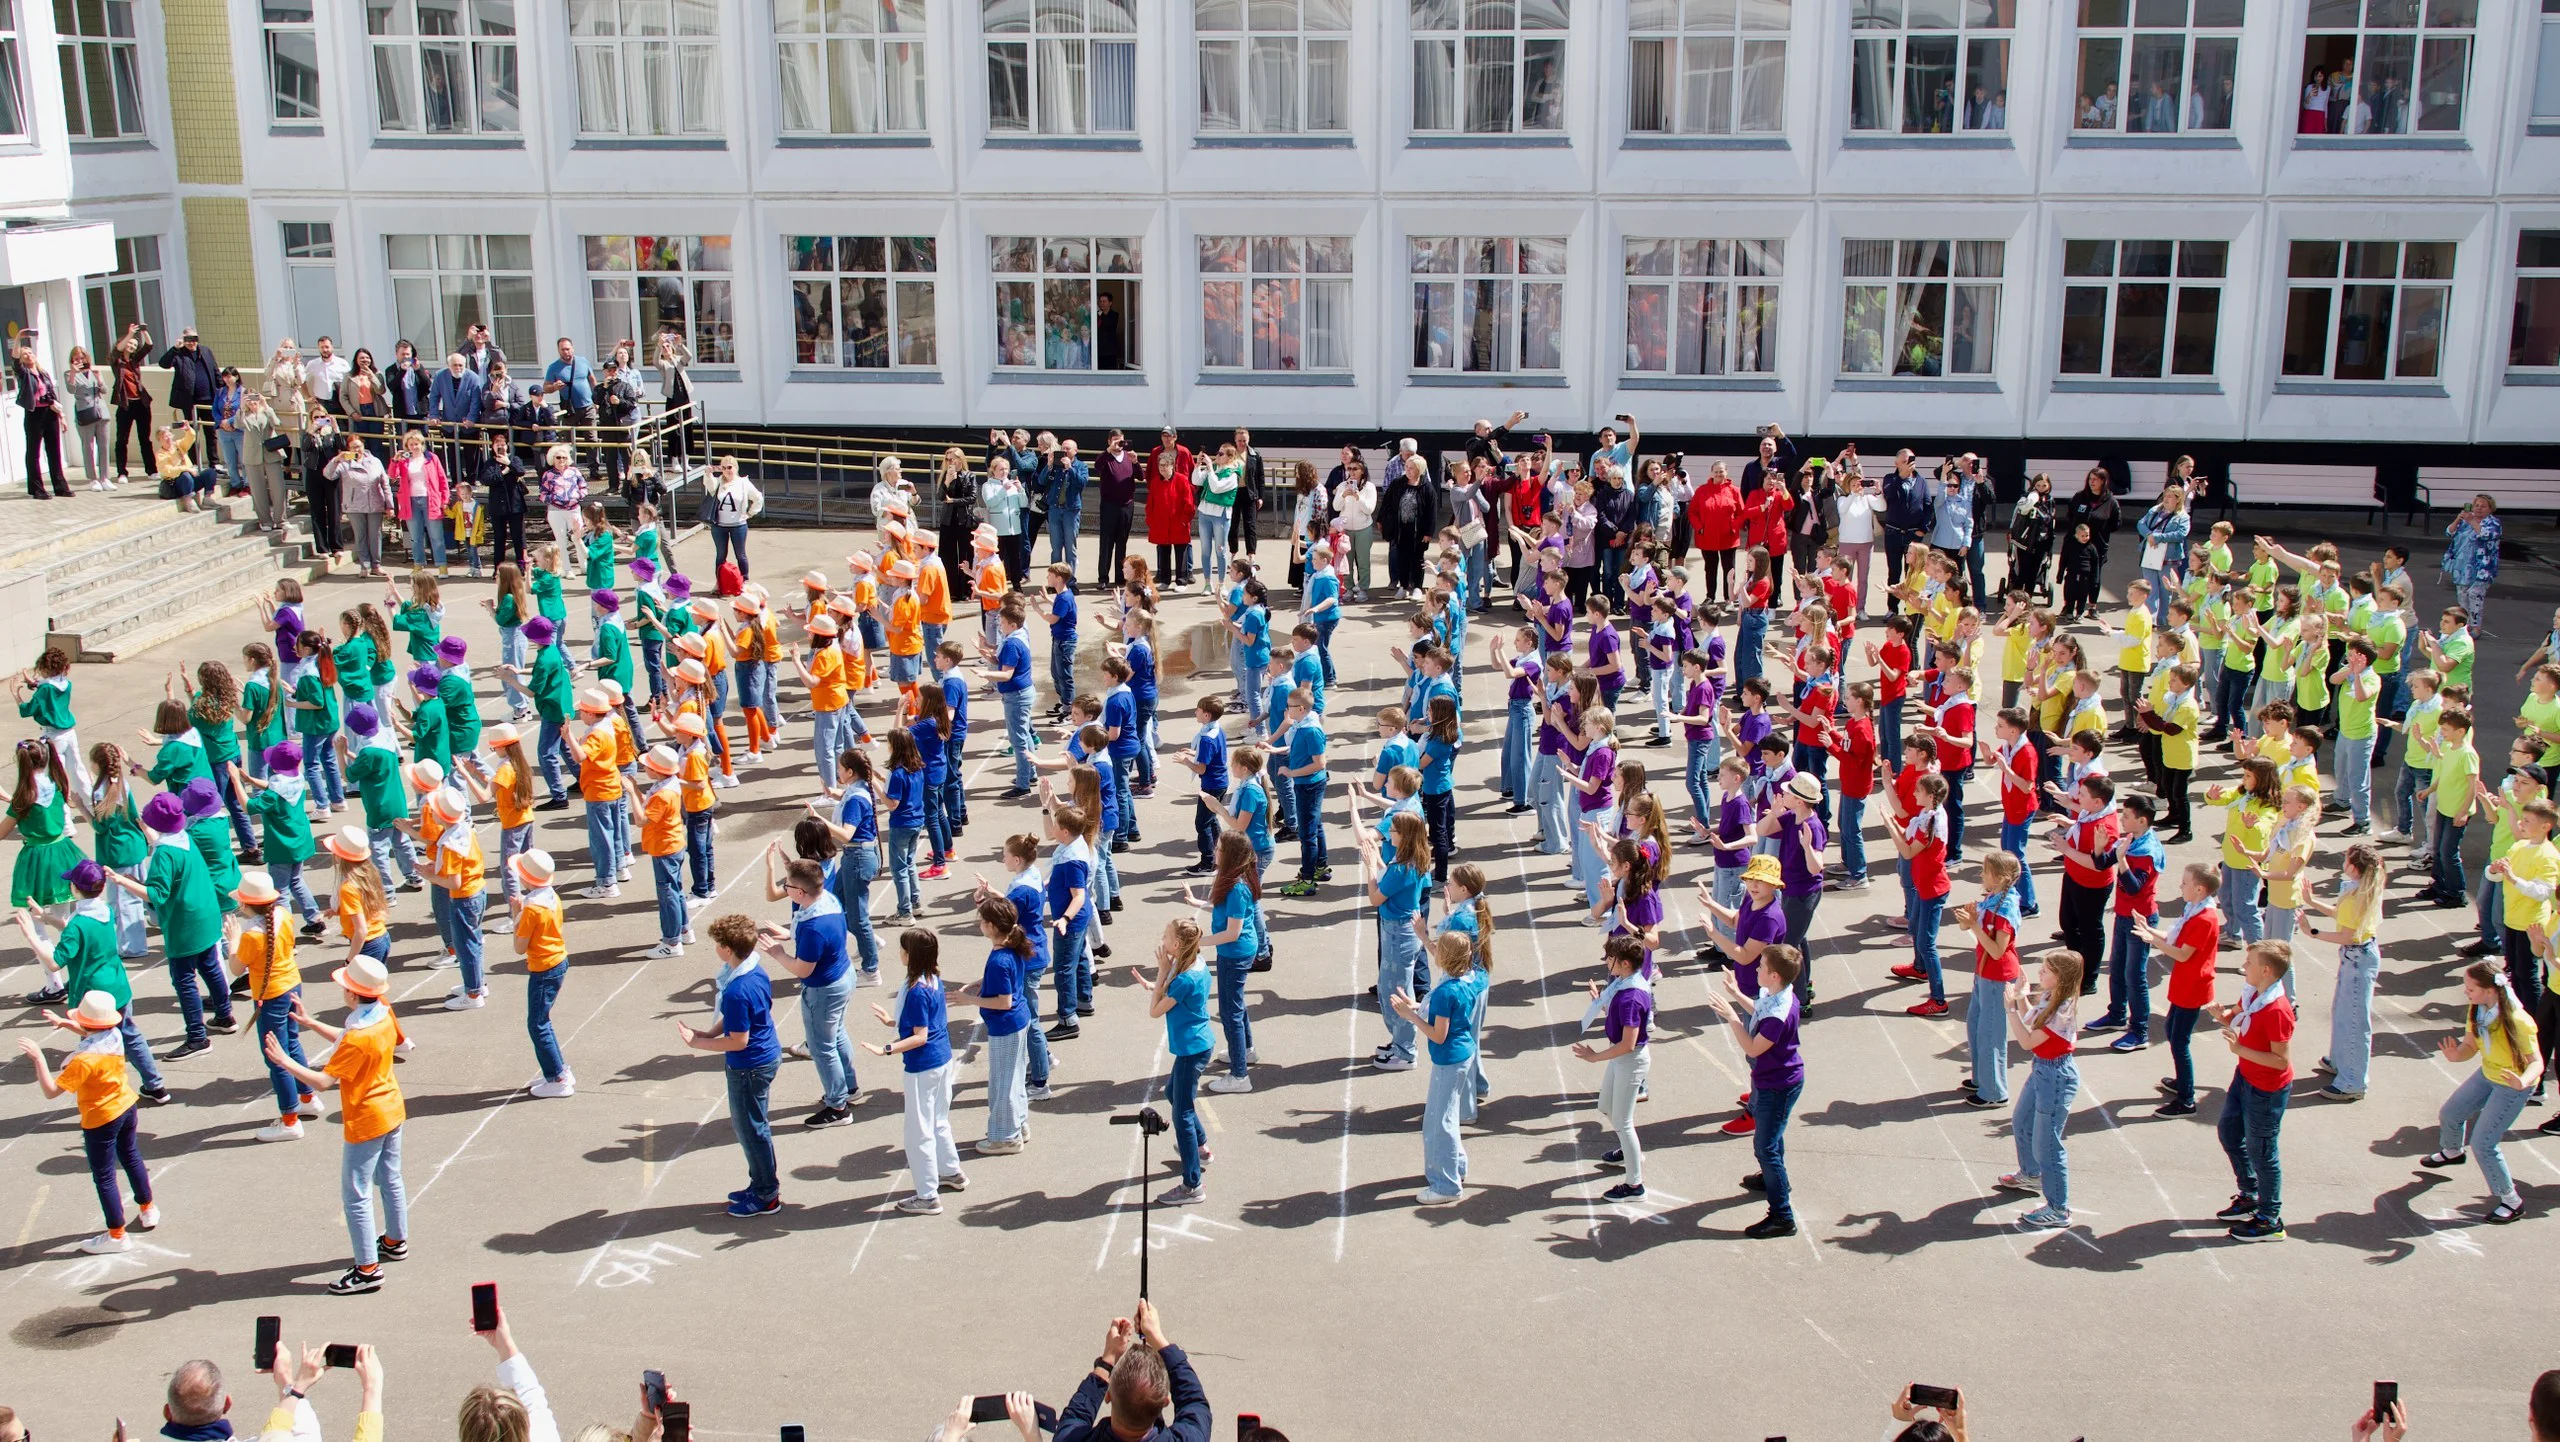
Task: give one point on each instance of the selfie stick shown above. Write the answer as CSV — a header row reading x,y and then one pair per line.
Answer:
x,y
1148,1121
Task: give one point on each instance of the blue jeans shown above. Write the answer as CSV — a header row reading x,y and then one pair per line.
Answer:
x,y
1064,521
1006,1104
697,851
1853,823
653,661
137,1053
1889,734
1182,1091
1399,952
1209,534
425,531
2394,703
937,823
1037,1072
2239,899
2355,776
1590,869
2448,857
728,540
541,992
2478,1115
750,1088
2351,1017
513,841
275,1019
1699,774
1233,974
1073,972
2413,817
2044,1105
666,873
2013,839
367,1171
1062,674
1017,734
552,748
2178,1027
1444,1154
828,737
1797,908
1311,851
858,868
1126,803
822,1028
2489,909
2129,976
1955,814
462,933
320,774
1770,1108
1986,1039
1555,817
2252,1125
287,876
1928,913
1205,829
185,974
1519,727
601,836
1751,633
902,869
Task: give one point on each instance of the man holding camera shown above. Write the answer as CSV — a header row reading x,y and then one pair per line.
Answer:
x,y
1138,1375
1778,457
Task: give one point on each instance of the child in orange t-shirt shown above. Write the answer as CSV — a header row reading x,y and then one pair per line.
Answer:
x,y
591,740
265,955
456,869
991,583
694,770
906,634
98,1075
662,840
545,950
755,660
371,1112
933,593
823,672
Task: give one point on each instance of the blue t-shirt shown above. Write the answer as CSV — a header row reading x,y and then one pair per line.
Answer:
x,y
1253,803
1109,776
858,811
1186,1027
1438,757
1014,654
1275,705
1120,711
1062,631
1455,998
746,1009
1255,623
921,1005
1209,748
1142,672
955,694
1397,751
1306,747
1322,587
817,937
1026,910
930,745
1308,671
1070,872
581,378
1400,892
1004,977
906,800
1436,686
1237,905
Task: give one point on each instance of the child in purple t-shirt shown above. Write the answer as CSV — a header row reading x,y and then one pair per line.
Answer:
x,y
1597,820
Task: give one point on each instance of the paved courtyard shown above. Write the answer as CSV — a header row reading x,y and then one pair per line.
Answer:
x,y
1308,1287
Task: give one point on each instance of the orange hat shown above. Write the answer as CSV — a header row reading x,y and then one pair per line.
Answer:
x,y
704,607
534,868
446,805
689,725
822,625
255,889
363,977
423,775
844,605
502,734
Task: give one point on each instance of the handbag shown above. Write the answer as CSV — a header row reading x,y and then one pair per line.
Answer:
x,y
1471,534
2155,555
277,443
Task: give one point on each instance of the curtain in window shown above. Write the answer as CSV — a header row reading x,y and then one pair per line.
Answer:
x,y
701,89
1115,86
1435,84
1648,83
599,90
1763,86
1328,318
1706,85
1871,86
1221,86
853,99
1328,85
395,88
1919,311
1491,77
1275,85
1061,86
804,86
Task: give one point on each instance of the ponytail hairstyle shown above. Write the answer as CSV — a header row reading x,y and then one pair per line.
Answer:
x,y
1084,784
1644,873
1412,836
1453,954
520,790
217,695
1444,721
2364,865
1235,862
2066,966
921,950
2000,871
2494,976
368,880
35,758
262,658
1644,813
315,644
1184,933
106,761
859,764
353,624
1471,876
375,627
997,915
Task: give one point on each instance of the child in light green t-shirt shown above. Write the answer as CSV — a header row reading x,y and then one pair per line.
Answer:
x,y
2451,647
2454,789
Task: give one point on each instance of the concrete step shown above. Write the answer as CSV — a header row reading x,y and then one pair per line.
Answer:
x,y
103,596
43,538
73,584
175,606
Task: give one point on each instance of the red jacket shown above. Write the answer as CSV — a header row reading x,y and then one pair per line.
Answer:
x,y
1767,513
1169,498
1715,515
432,468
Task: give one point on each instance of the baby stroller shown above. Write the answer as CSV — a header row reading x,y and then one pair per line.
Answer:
x,y
2030,547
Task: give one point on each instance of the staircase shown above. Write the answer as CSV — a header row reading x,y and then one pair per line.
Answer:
x,y
125,572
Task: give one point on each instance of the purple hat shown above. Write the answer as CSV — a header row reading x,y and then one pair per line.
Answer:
x,y
363,719
1715,652
284,756
540,631
605,600
426,679
644,568
200,799
452,649
88,878
163,813
679,586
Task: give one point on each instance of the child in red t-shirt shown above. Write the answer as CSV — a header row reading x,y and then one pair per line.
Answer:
x,y
1919,758
2018,767
1955,734
1922,840
2191,953
1993,920
2259,1027
1853,740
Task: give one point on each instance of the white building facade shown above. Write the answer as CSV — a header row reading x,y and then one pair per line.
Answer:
x,y
2228,222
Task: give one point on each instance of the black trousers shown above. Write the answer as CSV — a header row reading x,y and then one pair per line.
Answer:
x,y
2084,929
2173,790
321,494
1115,542
1895,543
133,418
506,536
44,440
1015,552
1241,535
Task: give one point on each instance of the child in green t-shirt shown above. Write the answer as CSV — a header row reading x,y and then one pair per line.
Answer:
x,y
2453,789
2451,648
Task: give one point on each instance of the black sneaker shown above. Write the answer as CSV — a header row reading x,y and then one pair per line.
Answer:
x,y
47,996
160,1098
1084,1008
1064,1031
356,1280
1101,949
1201,868
1119,844
223,1025
1613,1160
2475,947
1118,903
388,1250
1624,1192
2176,1109
2259,1229
1756,1182
557,803
1769,1226
1013,793
2241,1209
827,1117
186,1049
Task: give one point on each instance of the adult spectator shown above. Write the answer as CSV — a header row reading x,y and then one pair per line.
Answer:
x,y
1777,457
734,501
1117,473
2544,1407
1861,521
229,405
1249,495
193,372
673,361
362,400
1171,504
1139,1374
408,386
287,387
1928,1424
133,403
1408,514
751,1053
2164,528
1310,517
1355,509
41,402
1951,494
1986,508
197,1409
296,1372
2095,505
957,489
2470,553
263,447
1485,442
2396,1426
1614,502
1809,524
87,387
1002,497
1715,522
618,397
514,1410
323,374
569,384
420,488
453,402
1618,451
501,481
478,351
364,497
1906,514
1061,490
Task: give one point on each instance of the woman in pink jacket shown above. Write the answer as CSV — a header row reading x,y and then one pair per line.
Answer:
x,y
418,487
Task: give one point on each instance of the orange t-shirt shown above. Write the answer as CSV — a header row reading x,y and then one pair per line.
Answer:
x,y
355,921
715,649
695,768
626,751
933,591
599,774
538,933
269,978
662,820
906,626
826,679
369,1102
101,1082
458,856
991,585
510,815
770,627
857,661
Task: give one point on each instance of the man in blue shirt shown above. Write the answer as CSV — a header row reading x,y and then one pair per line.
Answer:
x,y
570,383
1010,671
1952,492
453,403
1061,484
752,1052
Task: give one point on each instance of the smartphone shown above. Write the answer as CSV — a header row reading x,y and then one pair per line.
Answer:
x,y
989,1408
794,1432
1247,1423
2386,1395
484,1306
1924,1395
675,1422
653,1390
270,1332
340,1355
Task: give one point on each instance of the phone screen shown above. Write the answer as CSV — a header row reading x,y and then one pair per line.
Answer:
x,y
2386,1395
1924,1395
989,1408
340,1354
270,1332
484,1307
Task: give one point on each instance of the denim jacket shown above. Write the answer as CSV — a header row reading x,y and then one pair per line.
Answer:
x,y
1062,483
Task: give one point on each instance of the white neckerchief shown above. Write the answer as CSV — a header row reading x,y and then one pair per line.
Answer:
x,y
91,906
2091,818
178,839
59,683
1598,1010
184,739
291,788
1927,821
548,898
370,1011
46,792
380,741
2253,1001
729,974
1776,1001
99,1043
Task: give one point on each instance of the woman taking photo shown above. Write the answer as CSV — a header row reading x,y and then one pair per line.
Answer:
x,y
364,494
2030,536
1355,509
1219,482
2164,530
2496,1030
87,387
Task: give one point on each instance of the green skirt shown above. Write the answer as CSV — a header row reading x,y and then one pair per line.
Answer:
x,y
38,879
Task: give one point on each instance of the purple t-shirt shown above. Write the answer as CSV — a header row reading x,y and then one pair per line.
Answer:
x,y
1753,922
1753,726
1782,1065
1600,765
1630,1010
1800,855
1524,680
1559,622
1644,908
1733,835
1604,652
1701,701
1551,741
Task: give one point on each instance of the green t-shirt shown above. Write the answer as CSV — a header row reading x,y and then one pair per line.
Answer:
x,y
256,697
2356,701
2388,633
86,952
2421,723
221,744
2262,585
49,705
461,711
2278,669
119,835
317,724
355,669
2457,774
430,735
287,825
2457,650
180,761
550,596
2213,623
181,895
2543,716
553,692
375,774
600,564
2311,681
424,627
613,652
212,836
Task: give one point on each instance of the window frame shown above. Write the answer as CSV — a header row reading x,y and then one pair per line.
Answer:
x,y
516,334
1247,39
1260,269
145,287
1471,268
693,113
1964,35
1032,36
493,58
1673,41
114,59
2178,281
692,271
1723,278
2530,270
895,283
1002,253
2361,35
2544,107
2129,35
314,252
16,123
272,31
1901,276
1428,32
2335,312
871,49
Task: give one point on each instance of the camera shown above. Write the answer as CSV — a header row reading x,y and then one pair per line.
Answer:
x,y
1147,1120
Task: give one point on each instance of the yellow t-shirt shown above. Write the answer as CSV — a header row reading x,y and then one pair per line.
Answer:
x,y
356,921
2136,654
2358,917
2013,653
2505,1063
2533,862
458,856
2246,821
2284,892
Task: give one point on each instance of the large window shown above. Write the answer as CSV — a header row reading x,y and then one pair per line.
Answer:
x,y
101,68
1066,303
311,275
1920,307
851,67
2534,344
1702,307
2141,309
2546,83
2158,67
442,285
647,68
1276,303
1487,304
1709,67
444,67
293,62
2385,67
13,78
1061,67
2366,310
864,302
1274,67
646,286
1488,67
1930,67
130,295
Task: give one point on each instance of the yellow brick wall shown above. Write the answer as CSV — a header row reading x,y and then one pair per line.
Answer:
x,y
197,40
223,276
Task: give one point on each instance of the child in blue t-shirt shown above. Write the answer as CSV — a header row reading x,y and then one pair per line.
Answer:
x,y
1447,1021
1139,650
1252,628
1275,716
1306,668
923,1047
1323,608
1208,761
1305,773
1022,887
1398,884
1122,737
1440,740
905,800
1060,612
1070,911
1181,986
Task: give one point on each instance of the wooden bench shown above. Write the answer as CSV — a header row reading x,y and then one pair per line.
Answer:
x,y
2529,491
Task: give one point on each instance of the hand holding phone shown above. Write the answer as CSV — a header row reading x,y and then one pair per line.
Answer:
x,y
1942,1398
653,1391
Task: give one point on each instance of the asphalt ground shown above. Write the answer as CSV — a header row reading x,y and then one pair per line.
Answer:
x,y
1308,1287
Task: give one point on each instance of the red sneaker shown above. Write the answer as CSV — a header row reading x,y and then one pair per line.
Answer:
x,y
1928,1008
1741,1126
1743,1100
934,872
1907,972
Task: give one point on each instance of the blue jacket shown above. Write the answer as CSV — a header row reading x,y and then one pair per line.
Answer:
x,y
1061,484
1086,1418
456,399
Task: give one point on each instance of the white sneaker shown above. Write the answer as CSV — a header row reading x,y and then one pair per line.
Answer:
x,y
149,1220
404,1047
1394,1063
499,925
915,1206
1037,1094
601,891
310,1107
106,1242
565,1087
1435,1199
280,1132
685,937
990,1147
460,1000
862,979
723,781
662,951
1229,1083
444,960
